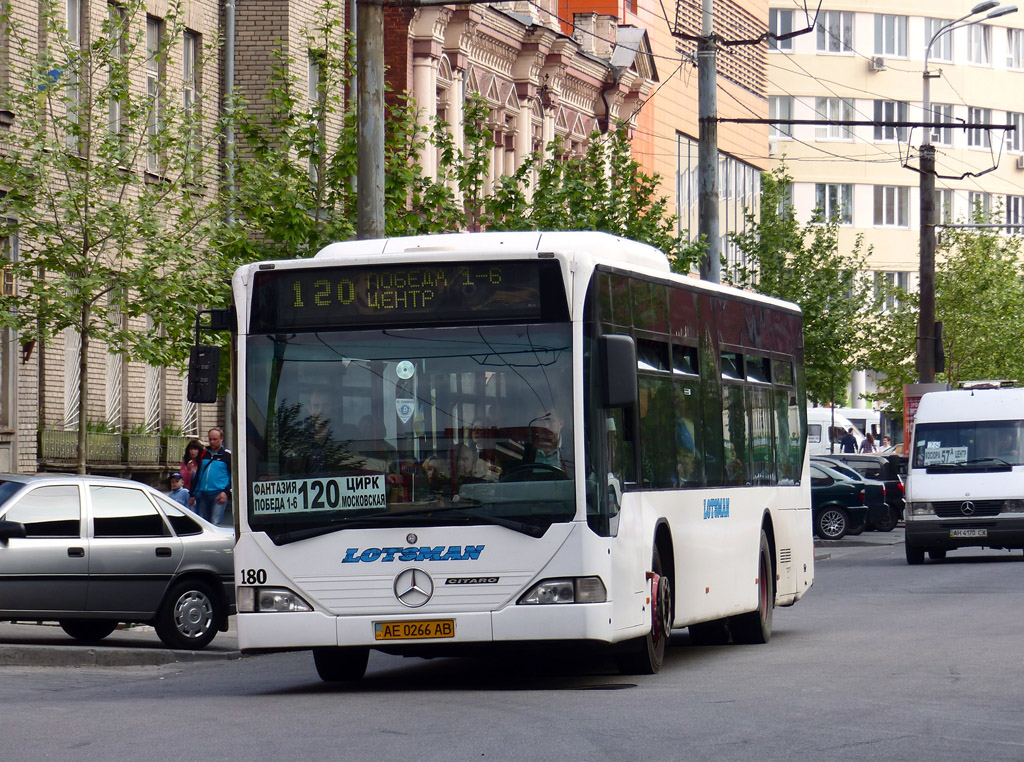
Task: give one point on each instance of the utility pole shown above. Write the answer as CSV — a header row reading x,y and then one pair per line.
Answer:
x,y
707,148
926,315
370,119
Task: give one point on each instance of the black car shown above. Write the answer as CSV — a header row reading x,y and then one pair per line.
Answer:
x,y
881,516
837,503
887,468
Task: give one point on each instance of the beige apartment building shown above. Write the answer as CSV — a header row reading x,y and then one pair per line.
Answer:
x,y
865,61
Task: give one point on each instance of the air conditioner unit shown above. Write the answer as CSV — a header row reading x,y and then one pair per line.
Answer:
x,y
878,63
773,147
1020,162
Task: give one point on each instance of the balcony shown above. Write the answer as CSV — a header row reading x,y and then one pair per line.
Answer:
x,y
116,453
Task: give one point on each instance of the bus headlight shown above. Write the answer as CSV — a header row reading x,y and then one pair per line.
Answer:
x,y
262,599
568,590
922,509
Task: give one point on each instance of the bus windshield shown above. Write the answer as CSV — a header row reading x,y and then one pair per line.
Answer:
x,y
968,445
409,426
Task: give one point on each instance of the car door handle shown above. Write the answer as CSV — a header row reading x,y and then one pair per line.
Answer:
x,y
76,552
163,552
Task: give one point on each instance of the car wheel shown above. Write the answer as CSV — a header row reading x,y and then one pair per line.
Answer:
x,y
88,630
340,665
937,554
888,522
915,555
832,524
189,615
645,655
756,626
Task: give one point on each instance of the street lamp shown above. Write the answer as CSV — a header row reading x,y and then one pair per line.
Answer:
x,y
926,316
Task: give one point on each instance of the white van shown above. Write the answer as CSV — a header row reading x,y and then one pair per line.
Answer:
x,y
823,430
965,483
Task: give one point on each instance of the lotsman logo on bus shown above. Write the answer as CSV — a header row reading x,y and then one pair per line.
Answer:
x,y
426,553
716,508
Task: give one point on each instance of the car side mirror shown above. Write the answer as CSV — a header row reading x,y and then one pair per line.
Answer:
x,y
9,529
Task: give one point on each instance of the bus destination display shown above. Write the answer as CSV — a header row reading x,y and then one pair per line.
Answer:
x,y
340,296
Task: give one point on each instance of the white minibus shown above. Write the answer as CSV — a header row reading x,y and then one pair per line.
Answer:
x,y
965,484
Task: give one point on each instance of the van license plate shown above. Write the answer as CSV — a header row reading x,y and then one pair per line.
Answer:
x,y
968,533
425,628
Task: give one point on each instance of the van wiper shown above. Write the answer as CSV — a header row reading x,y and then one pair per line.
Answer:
x,y
973,464
996,461
419,517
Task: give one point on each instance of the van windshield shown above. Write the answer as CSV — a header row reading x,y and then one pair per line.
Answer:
x,y
968,444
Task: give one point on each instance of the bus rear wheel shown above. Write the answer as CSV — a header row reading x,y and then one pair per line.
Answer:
x,y
756,626
645,655
341,665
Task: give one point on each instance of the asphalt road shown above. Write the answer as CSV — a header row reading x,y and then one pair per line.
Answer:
x,y
880,661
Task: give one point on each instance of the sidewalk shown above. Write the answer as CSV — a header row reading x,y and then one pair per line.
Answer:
x,y
863,540
47,645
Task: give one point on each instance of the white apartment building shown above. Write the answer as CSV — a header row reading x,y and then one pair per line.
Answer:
x,y
865,61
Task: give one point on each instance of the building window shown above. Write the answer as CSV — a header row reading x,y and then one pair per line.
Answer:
x,y
890,111
117,26
834,201
980,205
780,21
942,112
886,283
190,46
1015,48
835,32
74,22
892,206
942,48
315,95
979,44
154,34
832,110
1015,215
72,89
890,35
780,107
977,138
944,205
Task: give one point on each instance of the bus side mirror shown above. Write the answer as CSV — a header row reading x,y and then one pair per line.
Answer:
x,y
618,366
203,373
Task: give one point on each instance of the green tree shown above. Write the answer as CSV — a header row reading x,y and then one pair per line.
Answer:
x,y
803,264
103,198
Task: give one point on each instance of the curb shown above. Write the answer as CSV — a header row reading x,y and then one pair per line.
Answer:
x,y
89,656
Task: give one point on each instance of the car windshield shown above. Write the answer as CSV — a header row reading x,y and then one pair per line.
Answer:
x,y
409,426
968,445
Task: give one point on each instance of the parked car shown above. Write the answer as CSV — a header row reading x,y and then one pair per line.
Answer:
x,y
837,504
890,469
90,552
881,516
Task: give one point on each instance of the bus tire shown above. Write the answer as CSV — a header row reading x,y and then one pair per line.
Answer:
x,y
341,665
915,555
645,655
755,627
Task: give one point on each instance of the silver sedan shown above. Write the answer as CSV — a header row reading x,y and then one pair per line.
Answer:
x,y
90,552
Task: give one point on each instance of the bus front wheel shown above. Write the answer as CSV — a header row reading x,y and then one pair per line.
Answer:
x,y
340,665
644,655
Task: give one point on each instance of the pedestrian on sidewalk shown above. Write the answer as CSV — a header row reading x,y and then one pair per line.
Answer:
x,y
211,487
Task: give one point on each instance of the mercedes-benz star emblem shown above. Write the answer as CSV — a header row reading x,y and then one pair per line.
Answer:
x,y
967,508
413,588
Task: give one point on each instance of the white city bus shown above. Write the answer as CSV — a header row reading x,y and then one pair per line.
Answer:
x,y
519,439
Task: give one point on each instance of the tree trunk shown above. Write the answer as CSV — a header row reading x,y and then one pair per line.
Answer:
x,y
83,388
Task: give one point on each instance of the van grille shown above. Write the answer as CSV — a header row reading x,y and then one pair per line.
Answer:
x,y
954,508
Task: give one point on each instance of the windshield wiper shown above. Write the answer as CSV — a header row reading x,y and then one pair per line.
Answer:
x,y
417,514
967,464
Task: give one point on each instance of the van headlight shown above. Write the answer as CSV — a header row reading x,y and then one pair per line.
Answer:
x,y
567,590
1013,506
264,599
922,509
